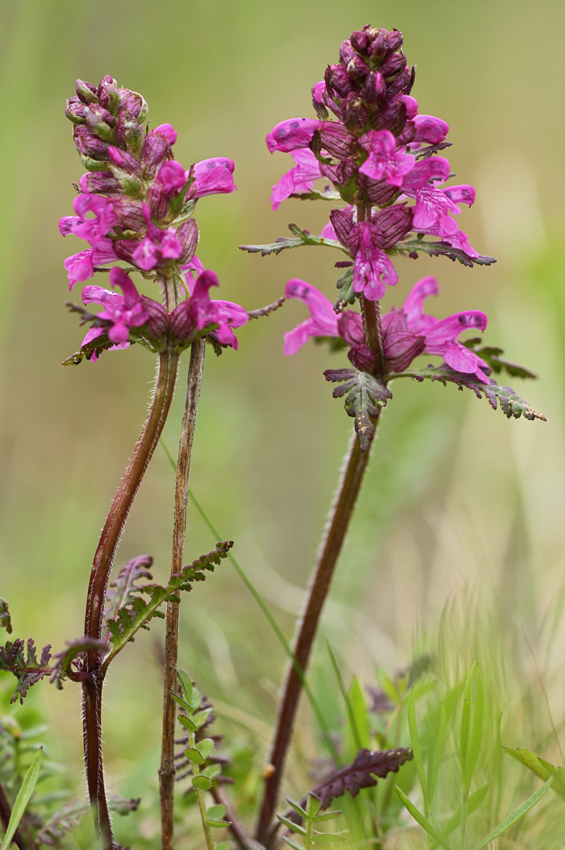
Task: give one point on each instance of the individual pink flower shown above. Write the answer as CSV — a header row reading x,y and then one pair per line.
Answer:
x,y
292,134
299,179
212,176
157,246
199,311
383,162
80,267
372,268
122,311
95,229
322,321
403,327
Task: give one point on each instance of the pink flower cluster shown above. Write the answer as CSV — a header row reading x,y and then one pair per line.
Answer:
x,y
407,331
135,206
379,153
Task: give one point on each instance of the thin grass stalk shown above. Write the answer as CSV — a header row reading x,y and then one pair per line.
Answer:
x,y
103,559
167,768
332,542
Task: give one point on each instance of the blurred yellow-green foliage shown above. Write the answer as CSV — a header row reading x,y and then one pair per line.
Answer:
x,y
458,503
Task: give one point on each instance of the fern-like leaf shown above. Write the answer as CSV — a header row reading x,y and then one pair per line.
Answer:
x,y
510,403
20,658
363,772
365,396
130,612
437,249
301,237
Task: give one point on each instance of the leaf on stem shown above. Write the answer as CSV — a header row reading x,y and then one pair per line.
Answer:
x,y
129,612
23,798
301,237
365,396
20,658
69,661
510,403
437,249
5,619
540,767
361,773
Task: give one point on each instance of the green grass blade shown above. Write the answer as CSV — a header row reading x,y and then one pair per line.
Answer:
x,y
416,749
436,754
477,731
347,701
515,815
473,803
424,822
23,798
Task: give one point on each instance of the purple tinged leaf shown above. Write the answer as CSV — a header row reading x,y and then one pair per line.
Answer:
x,y
365,396
20,658
5,619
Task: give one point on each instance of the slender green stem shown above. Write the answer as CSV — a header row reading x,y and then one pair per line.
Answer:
x,y
167,768
200,797
103,558
332,542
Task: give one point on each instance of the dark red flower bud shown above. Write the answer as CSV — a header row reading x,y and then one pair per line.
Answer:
x,y
378,192
401,84
355,115
374,89
394,40
377,48
401,347
99,183
109,95
345,171
357,69
392,65
86,92
362,357
393,222
75,110
360,40
133,103
342,221
101,122
88,144
337,81
346,52
130,214
391,117
158,322
350,327
188,234
335,139
129,132
408,134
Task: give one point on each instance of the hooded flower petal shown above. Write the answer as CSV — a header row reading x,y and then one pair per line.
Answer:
x,y
213,176
299,179
322,321
292,134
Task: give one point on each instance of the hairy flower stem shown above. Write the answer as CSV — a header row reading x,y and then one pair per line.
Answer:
x,y
332,541
103,558
167,769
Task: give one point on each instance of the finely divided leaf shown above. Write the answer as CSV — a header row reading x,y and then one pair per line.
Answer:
x,y
361,773
436,249
132,612
365,396
20,658
510,403
301,237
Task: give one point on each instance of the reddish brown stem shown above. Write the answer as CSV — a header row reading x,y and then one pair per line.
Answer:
x,y
332,542
167,769
103,558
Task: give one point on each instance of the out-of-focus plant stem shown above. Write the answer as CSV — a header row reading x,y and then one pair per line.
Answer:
x,y
103,558
167,768
332,542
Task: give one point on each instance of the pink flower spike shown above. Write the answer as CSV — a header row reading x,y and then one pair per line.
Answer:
x,y
322,321
213,176
383,163
292,134
299,179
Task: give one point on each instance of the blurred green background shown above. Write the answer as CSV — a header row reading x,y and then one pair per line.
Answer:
x,y
458,504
